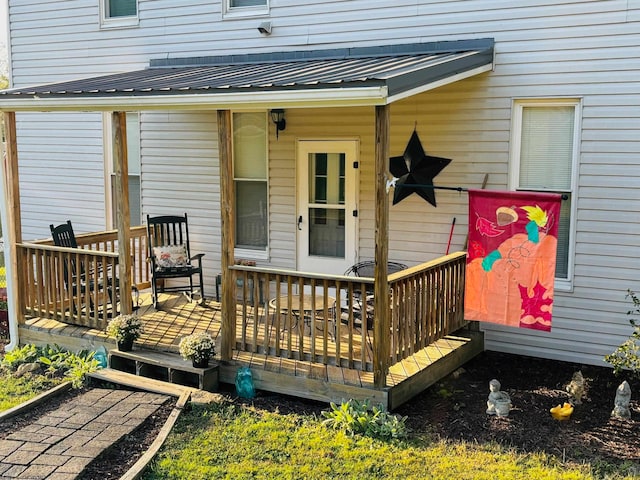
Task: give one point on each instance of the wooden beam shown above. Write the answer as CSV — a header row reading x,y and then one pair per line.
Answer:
x,y
121,164
227,214
14,218
381,337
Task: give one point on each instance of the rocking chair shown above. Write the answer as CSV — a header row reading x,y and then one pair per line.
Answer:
x,y
170,257
76,279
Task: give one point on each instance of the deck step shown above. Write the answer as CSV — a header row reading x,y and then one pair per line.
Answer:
x,y
141,383
165,367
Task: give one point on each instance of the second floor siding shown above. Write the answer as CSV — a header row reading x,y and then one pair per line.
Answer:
x,y
54,41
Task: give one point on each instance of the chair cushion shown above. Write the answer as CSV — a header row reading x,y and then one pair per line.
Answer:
x,y
171,256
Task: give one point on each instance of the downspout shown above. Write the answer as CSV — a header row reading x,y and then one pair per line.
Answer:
x,y
13,317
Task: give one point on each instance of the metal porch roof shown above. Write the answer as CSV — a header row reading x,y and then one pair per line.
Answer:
x,y
362,76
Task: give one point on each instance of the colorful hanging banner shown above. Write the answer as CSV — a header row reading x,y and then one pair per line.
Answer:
x,y
511,262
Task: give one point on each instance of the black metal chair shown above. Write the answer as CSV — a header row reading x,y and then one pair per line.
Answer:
x,y
367,268
362,302
76,279
170,256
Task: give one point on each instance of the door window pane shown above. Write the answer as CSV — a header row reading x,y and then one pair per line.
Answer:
x,y
326,232
326,185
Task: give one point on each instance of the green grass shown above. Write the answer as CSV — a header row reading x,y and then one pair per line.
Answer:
x,y
234,442
14,391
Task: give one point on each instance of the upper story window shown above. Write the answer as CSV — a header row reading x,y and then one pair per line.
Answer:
x,y
245,8
118,13
545,139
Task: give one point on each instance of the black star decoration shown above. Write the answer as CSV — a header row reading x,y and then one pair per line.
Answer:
x,y
415,171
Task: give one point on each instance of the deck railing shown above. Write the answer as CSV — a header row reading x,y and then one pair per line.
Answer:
x,y
427,303
329,319
78,285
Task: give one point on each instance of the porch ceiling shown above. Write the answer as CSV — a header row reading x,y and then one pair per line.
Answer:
x,y
343,77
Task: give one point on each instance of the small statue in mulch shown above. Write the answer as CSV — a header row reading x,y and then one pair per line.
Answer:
x,y
622,400
576,388
498,403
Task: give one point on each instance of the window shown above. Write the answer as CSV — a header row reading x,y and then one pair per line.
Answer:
x,y
119,13
244,8
133,160
544,156
250,177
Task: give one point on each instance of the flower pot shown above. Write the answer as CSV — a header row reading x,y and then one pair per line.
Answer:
x,y
502,407
125,345
200,362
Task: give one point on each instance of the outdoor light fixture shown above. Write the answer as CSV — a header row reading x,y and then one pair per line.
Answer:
x,y
265,28
277,117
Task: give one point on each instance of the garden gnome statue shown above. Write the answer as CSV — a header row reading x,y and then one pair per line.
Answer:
x,y
621,403
498,402
576,388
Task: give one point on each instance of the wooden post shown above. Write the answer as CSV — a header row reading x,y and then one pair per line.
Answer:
x,y
227,214
381,334
14,218
121,164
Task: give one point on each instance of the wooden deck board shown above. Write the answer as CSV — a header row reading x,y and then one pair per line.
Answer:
x,y
179,317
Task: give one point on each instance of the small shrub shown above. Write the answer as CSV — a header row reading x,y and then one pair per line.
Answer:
x,y
56,362
359,418
627,355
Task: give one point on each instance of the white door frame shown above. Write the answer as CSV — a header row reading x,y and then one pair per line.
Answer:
x,y
324,264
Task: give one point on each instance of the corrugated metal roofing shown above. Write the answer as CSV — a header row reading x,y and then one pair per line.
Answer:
x,y
398,72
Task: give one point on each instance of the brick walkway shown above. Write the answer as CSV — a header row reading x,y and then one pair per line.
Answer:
x,y
60,444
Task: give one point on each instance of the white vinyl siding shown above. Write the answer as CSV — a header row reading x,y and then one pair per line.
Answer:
x,y
180,173
61,175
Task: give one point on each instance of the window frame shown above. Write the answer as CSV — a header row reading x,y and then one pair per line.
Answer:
x,y
242,12
518,106
249,253
117,22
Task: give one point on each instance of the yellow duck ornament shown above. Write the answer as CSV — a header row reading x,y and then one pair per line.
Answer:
x,y
562,412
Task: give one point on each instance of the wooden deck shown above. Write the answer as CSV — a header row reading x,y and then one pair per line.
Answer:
x,y
302,378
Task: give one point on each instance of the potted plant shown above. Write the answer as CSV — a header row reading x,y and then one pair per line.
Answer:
x,y
198,347
125,329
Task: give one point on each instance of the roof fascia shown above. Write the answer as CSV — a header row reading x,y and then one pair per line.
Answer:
x,y
439,83
329,97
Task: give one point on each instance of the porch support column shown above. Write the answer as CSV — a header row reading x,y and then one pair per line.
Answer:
x,y
121,163
227,214
13,234
381,336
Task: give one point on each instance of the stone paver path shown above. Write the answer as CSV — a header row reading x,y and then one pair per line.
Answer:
x,y
60,444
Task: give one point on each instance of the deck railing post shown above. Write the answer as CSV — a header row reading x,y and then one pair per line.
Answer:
x,y
122,204
227,214
381,337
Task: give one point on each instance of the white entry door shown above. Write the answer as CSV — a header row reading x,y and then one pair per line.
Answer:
x,y
327,205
